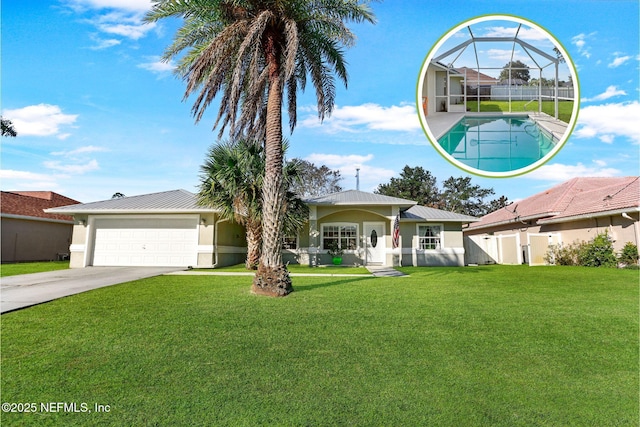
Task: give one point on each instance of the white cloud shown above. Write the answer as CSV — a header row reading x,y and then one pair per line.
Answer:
x,y
131,31
77,169
618,61
103,43
130,5
559,172
611,92
157,65
505,55
525,33
40,120
80,150
608,121
367,117
580,41
115,17
13,179
370,176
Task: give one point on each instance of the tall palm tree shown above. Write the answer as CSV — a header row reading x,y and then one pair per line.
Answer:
x,y
250,50
231,181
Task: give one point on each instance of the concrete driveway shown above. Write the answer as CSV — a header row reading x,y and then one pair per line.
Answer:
x,y
30,289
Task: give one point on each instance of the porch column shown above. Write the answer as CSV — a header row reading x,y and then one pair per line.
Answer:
x,y
314,236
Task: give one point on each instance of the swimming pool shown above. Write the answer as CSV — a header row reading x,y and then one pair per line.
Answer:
x,y
497,144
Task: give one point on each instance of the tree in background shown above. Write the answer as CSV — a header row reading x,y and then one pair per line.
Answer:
x,y
460,196
522,74
315,181
414,184
7,128
457,195
250,51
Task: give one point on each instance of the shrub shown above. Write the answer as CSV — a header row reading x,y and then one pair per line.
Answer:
x,y
563,255
598,252
629,254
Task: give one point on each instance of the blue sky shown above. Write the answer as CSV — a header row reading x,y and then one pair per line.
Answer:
x,y
98,113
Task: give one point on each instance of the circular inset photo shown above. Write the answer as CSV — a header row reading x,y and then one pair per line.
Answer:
x,y
498,96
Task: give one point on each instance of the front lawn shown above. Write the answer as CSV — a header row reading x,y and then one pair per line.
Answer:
x,y
32,267
489,345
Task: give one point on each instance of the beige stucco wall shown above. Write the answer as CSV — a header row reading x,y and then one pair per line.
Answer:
x,y
33,240
620,229
451,253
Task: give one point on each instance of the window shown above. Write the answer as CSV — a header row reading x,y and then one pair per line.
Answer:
x,y
429,236
344,235
290,243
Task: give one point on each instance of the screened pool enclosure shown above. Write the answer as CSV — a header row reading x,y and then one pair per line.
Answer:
x,y
491,66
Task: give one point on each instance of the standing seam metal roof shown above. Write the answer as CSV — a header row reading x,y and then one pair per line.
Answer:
x,y
167,201
355,197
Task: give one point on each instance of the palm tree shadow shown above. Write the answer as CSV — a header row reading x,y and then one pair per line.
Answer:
x,y
326,284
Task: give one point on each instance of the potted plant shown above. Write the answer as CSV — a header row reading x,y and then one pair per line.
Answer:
x,y
336,253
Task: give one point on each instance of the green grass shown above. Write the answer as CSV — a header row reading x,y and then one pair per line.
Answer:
x,y
490,345
32,267
565,108
297,268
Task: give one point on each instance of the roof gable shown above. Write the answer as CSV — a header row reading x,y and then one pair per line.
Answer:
x,y
33,204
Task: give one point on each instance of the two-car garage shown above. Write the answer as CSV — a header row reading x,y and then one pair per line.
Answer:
x,y
144,241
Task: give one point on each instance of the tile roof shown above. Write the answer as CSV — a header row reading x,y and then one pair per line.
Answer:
x,y
32,204
423,213
578,196
472,76
355,197
176,201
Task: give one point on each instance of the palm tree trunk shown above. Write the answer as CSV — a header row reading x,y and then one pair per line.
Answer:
x,y
254,238
272,277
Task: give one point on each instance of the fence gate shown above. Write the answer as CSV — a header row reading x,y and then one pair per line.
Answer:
x,y
539,245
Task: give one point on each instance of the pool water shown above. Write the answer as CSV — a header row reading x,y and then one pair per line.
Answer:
x,y
497,144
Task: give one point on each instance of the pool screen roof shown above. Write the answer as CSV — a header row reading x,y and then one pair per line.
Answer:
x,y
476,56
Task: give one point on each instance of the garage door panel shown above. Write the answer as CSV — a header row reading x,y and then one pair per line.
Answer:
x,y
145,242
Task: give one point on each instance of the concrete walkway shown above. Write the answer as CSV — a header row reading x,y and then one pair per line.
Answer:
x,y
25,290
385,272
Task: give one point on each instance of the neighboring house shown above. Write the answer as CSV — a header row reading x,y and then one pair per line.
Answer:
x,y
576,210
475,79
28,232
170,229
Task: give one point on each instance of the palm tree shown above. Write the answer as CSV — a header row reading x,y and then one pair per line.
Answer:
x,y
232,177
250,50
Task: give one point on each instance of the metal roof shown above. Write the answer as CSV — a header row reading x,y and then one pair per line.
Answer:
x,y
355,197
176,201
423,213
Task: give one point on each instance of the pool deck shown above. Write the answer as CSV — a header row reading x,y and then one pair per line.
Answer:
x,y
441,123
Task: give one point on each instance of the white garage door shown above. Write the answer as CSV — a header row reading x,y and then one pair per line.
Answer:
x,y
148,242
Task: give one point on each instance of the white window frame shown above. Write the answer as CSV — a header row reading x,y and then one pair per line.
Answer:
x,y
341,224
297,236
420,237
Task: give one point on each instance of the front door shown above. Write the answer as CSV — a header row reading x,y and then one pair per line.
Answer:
x,y
374,233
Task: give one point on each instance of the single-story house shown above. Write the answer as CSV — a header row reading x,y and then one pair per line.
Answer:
x,y
28,233
574,211
171,229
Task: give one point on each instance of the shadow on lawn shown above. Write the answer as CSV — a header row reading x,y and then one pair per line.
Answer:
x,y
326,284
